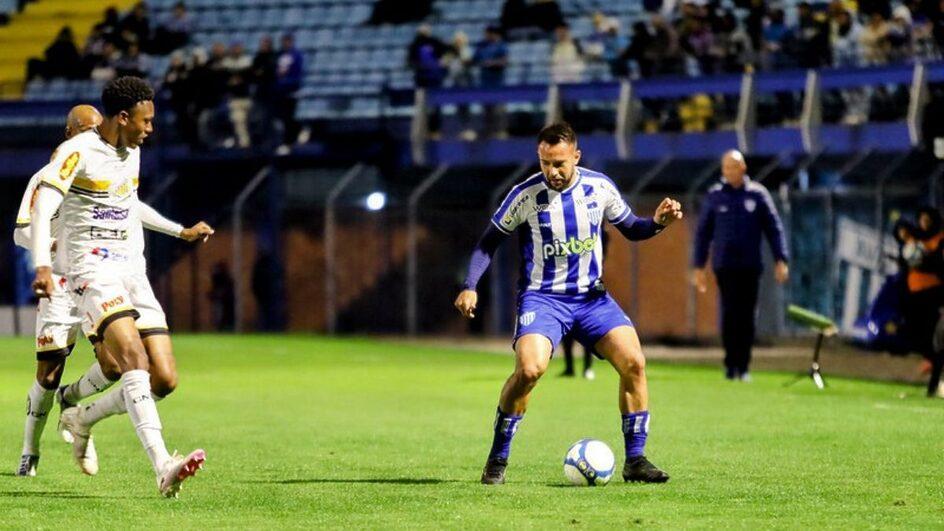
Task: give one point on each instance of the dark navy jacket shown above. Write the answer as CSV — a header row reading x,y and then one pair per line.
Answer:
x,y
731,223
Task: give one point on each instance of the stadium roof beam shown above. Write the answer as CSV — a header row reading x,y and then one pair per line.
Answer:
x,y
412,264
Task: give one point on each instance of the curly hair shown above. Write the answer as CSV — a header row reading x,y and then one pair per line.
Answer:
x,y
123,93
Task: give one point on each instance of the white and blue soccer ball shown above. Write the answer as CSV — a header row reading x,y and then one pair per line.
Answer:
x,y
589,462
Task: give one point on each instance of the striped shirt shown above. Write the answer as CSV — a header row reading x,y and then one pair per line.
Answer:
x,y
560,241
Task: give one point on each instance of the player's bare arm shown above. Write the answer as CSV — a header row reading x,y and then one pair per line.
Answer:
x,y
201,230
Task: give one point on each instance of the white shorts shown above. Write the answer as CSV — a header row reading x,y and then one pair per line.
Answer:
x,y
57,323
102,301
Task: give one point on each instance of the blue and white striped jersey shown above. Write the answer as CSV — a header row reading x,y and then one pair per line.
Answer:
x,y
560,245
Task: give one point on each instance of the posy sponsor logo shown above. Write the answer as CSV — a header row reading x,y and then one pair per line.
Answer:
x,y
113,303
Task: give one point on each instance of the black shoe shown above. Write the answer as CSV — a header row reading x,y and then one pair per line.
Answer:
x,y
494,473
28,464
639,469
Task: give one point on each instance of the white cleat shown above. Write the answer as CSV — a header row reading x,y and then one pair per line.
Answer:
x,y
83,448
63,405
176,470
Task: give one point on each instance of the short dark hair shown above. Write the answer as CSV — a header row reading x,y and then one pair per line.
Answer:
x,y
556,133
123,93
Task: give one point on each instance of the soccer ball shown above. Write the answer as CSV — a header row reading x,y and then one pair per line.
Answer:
x,y
589,462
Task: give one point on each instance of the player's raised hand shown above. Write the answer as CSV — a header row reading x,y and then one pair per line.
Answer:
x,y
466,303
669,211
200,230
43,284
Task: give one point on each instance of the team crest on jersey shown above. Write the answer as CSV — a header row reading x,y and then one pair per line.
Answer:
x,y
526,318
69,166
750,204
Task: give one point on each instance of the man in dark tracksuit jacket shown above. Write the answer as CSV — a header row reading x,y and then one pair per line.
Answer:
x,y
733,217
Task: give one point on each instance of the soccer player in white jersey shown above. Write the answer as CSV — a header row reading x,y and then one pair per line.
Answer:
x,y
75,423
561,211
94,177
57,323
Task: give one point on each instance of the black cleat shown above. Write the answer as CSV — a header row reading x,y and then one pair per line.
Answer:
x,y
639,469
28,464
494,473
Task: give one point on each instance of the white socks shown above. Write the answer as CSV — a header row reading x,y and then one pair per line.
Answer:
x,y
109,405
136,388
92,382
39,402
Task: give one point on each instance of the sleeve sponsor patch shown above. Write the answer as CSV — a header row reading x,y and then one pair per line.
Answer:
x,y
68,166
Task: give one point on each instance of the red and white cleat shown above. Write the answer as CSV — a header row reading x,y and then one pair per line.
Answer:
x,y
177,469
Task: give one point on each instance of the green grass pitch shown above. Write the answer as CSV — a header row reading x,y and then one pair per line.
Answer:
x,y
306,432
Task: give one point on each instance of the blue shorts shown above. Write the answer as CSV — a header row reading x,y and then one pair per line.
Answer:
x,y
587,317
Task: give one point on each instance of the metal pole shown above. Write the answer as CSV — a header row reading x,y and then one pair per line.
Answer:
x,y
747,113
812,113
237,222
917,99
412,264
553,113
624,121
494,286
419,128
329,241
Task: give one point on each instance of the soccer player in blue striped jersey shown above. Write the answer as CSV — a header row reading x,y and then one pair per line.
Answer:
x,y
561,212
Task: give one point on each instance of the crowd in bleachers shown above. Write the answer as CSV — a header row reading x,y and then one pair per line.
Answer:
x,y
345,53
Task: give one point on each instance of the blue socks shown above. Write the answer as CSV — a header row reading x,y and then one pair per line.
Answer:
x,y
505,428
635,430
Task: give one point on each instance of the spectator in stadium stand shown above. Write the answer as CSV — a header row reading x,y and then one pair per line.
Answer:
x,y
545,14
606,44
925,49
288,79
735,47
638,50
110,26
263,74
696,39
458,61
664,47
845,34
735,215
424,56
874,40
812,37
60,60
238,66
132,62
899,35
136,27
178,87
400,12
514,14
103,65
567,64
777,41
491,58
174,31
925,282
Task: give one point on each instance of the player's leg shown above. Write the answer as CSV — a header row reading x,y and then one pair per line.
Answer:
x,y
602,324
567,346
55,338
588,364
541,324
748,316
729,316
